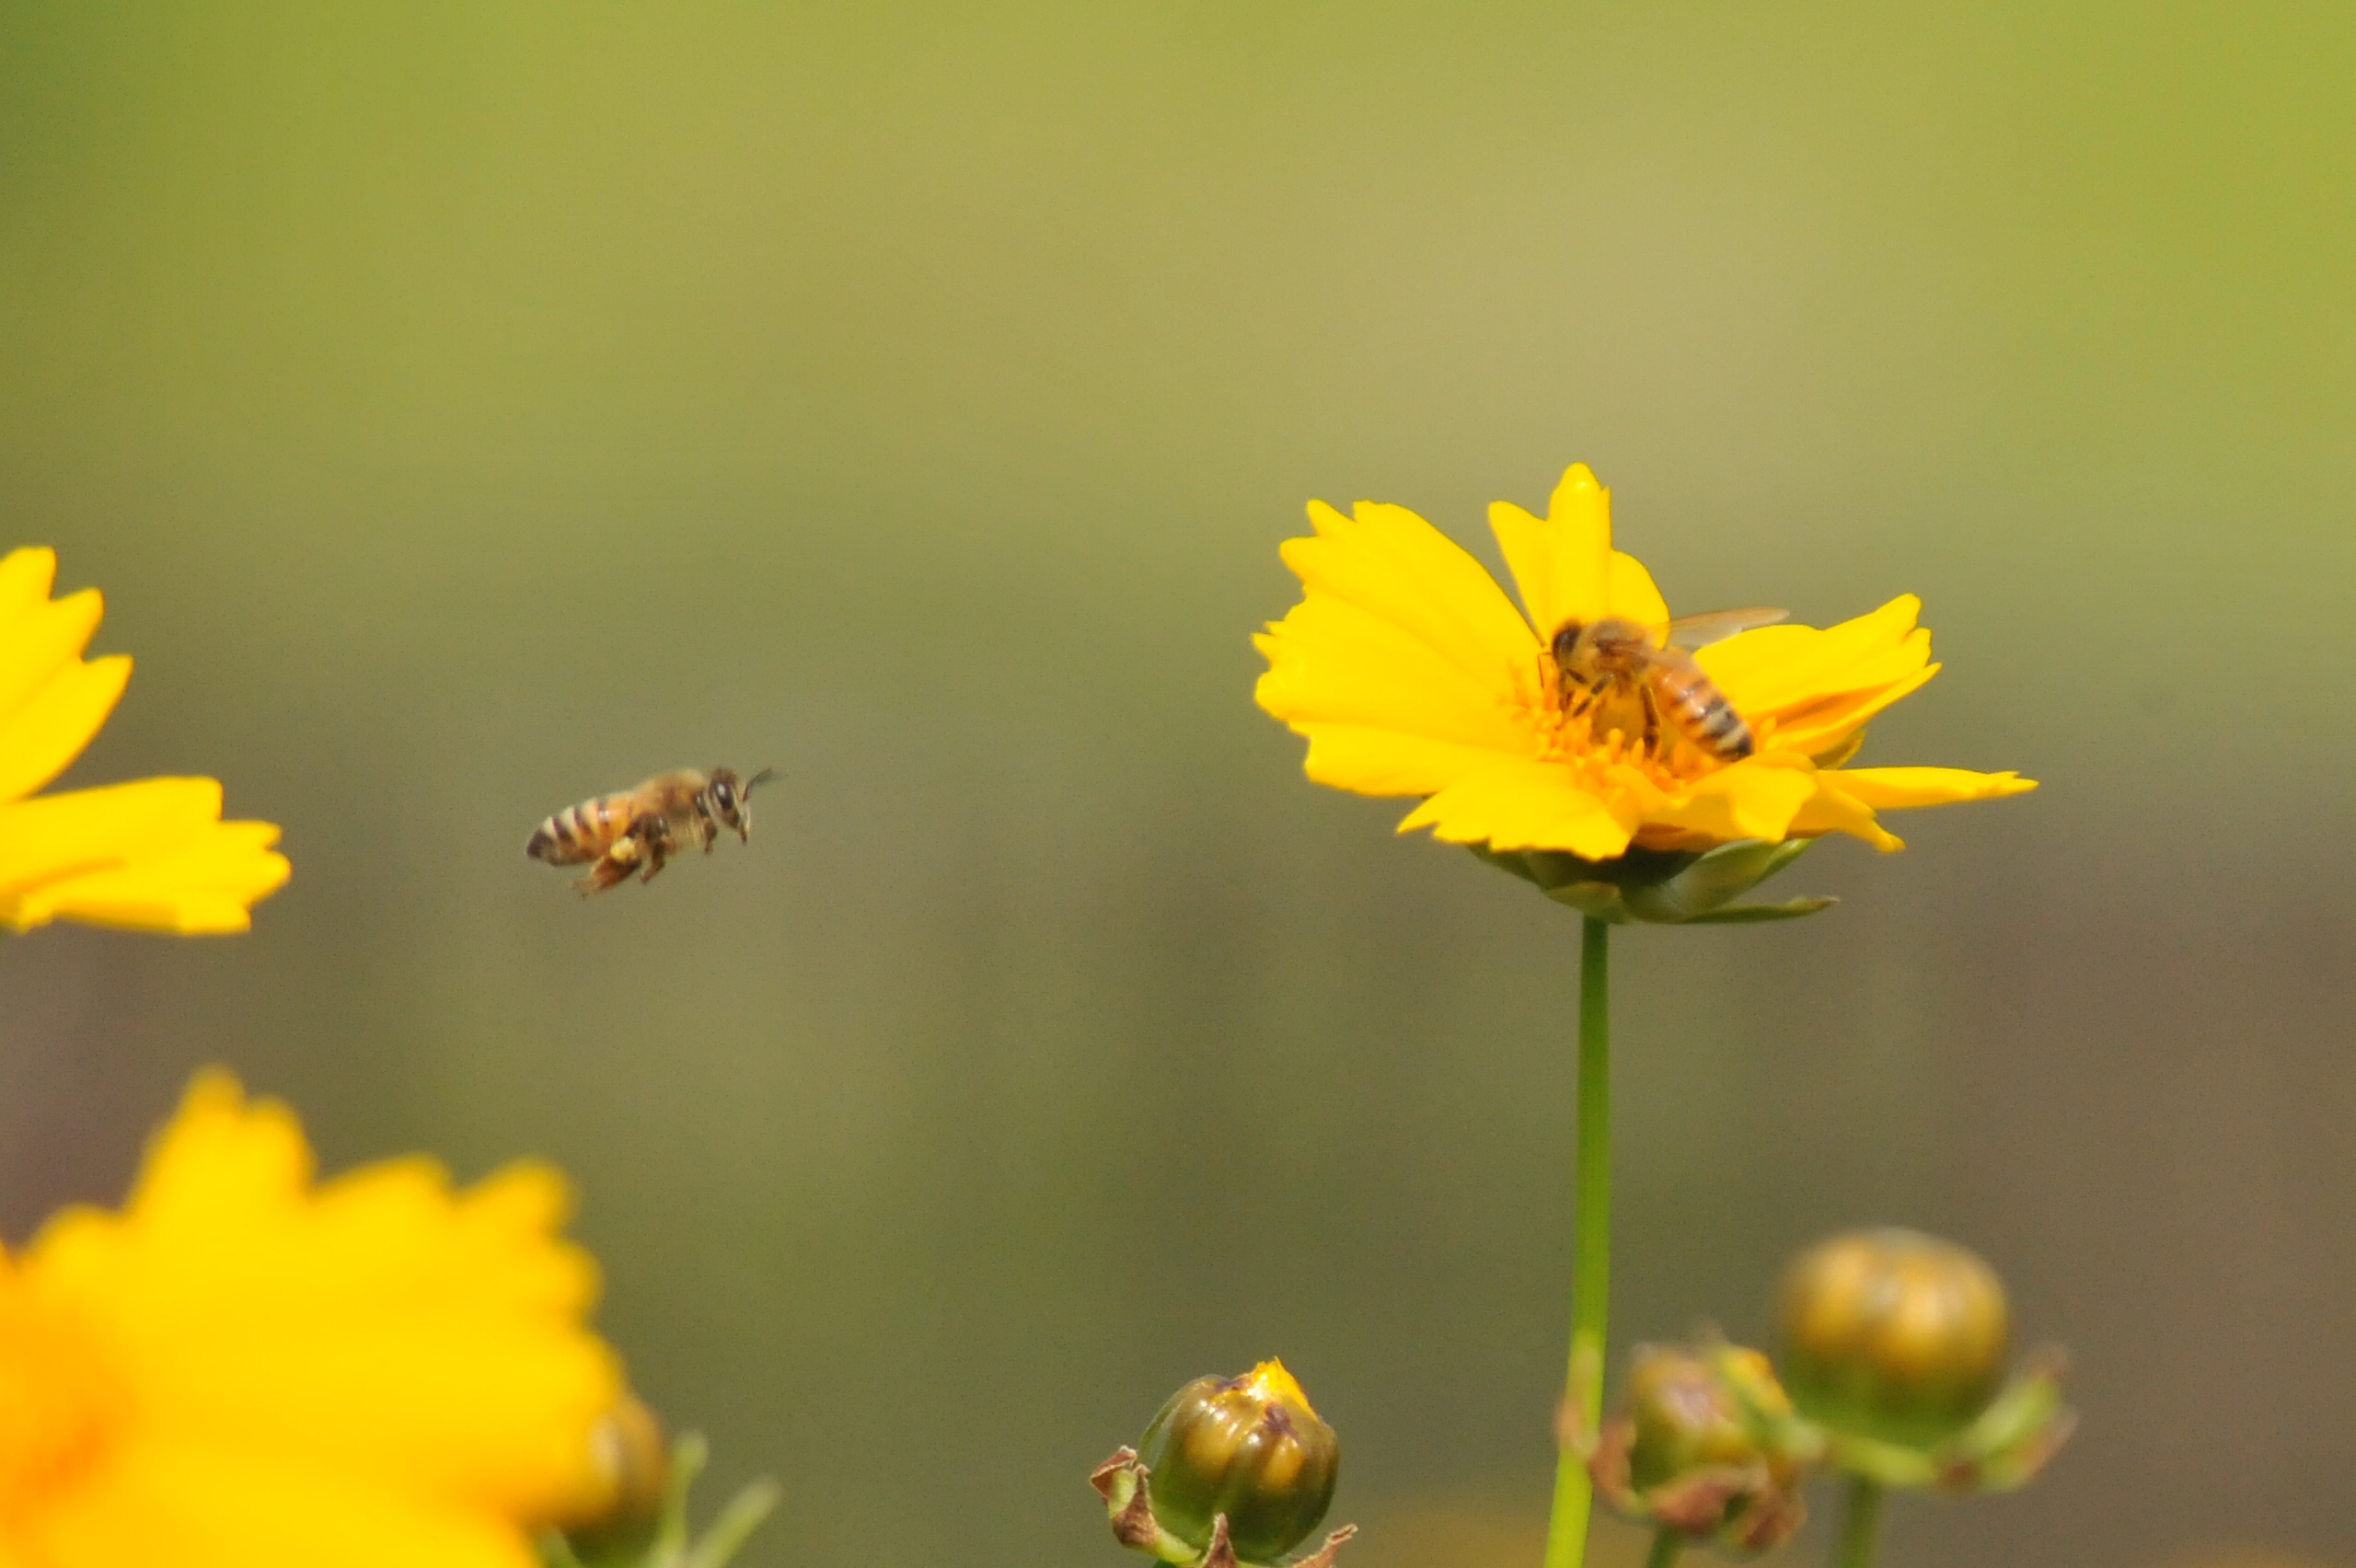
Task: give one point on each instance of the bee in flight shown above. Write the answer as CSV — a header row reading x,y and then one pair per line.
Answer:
x,y
1595,659
637,830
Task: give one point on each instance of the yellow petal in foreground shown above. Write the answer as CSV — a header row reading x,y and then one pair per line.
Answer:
x,y
1409,672
245,1367
149,856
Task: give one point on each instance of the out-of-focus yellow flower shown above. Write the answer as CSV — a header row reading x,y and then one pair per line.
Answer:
x,y
241,1370
1411,672
153,855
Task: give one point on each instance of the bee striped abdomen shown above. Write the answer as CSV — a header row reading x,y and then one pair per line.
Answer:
x,y
580,832
1702,713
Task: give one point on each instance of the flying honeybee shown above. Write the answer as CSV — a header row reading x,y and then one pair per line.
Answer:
x,y
637,830
1594,659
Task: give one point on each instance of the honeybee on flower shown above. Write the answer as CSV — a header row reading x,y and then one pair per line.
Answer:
x,y
1410,673
1592,660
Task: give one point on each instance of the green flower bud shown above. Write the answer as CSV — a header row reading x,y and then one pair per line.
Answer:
x,y
1248,1447
1708,1445
1893,1336
1662,887
1680,1419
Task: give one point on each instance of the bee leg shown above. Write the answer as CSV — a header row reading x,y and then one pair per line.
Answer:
x,y
658,850
1591,698
1652,719
612,868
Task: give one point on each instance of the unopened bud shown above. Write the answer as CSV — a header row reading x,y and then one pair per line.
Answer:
x,y
1683,1417
1249,1447
1892,1336
1707,1446
629,1470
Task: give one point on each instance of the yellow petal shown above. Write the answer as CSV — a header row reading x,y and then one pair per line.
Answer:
x,y
204,885
1374,761
1393,564
43,641
1528,804
91,829
1632,596
1756,798
196,1503
1565,565
1834,809
377,1372
1778,667
1332,662
25,576
1561,563
49,730
1886,787
1826,725
220,1156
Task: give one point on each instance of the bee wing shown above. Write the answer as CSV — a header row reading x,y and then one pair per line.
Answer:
x,y
1699,631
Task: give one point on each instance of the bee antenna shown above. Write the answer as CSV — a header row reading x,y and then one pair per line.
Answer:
x,y
763,777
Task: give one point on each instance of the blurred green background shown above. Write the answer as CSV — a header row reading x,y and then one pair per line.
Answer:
x,y
467,408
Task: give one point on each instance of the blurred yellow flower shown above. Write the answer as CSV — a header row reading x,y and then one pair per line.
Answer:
x,y
1411,672
153,855
241,1370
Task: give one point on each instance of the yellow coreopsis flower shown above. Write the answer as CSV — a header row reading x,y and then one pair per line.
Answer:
x,y
153,855
241,1370
1412,674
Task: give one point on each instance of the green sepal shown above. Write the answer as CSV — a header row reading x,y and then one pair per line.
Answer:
x,y
1662,887
1893,1465
2004,1446
1753,914
2016,1434
1122,1481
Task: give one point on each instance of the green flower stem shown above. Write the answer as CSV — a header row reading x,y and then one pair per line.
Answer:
x,y
1861,1525
1666,1547
1591,1275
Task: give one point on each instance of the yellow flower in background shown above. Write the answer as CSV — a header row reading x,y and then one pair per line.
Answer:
x,y
1411,672
153,855
242,1369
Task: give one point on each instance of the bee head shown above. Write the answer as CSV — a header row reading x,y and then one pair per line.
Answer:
x,y
728,800
1565,642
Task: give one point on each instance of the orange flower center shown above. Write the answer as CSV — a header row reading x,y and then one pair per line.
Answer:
x,y
63,1404
1605,735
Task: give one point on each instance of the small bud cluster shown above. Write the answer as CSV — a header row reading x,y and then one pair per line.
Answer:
x,y
1894,1354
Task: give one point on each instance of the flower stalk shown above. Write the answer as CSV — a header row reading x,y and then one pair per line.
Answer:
x,y
1861,1523
1591,1266
1668,1546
